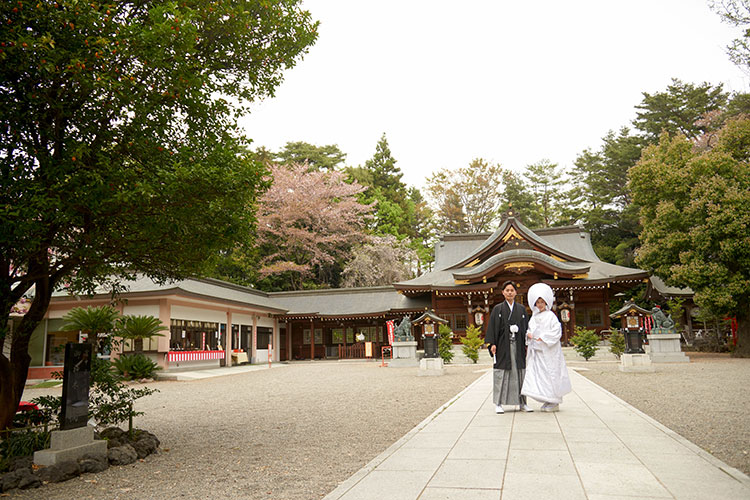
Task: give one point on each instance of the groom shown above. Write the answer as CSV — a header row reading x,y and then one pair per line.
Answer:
x,y
506,339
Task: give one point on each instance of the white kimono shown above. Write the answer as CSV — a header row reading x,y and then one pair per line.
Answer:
x,y
546,377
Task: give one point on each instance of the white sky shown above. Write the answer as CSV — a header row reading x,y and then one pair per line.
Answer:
x,y
510,82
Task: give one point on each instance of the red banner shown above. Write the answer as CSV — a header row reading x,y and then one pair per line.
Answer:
x,y
389,324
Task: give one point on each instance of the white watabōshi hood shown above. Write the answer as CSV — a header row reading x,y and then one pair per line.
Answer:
x,y
541,290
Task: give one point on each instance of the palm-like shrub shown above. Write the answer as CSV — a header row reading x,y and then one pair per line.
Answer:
x,y
137,328
110,400
135,366
92,321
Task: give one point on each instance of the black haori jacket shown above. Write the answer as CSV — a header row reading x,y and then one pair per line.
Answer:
x,y
498,333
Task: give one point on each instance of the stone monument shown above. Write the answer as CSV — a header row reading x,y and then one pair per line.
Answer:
x,y
75,437
404,346
664,339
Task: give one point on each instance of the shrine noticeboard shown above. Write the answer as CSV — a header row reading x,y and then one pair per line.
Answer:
x,y
76,380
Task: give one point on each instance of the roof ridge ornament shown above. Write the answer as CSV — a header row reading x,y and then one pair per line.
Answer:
x,y
510,213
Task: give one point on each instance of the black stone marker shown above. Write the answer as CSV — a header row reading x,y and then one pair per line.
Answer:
x,y
76,381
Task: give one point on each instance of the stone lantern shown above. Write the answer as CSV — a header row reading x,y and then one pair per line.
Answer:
x,y
432,363
635,358
631,317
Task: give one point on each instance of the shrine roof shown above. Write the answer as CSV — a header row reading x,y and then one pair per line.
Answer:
x,y
521,254
202,288
346,301
568,250
657,285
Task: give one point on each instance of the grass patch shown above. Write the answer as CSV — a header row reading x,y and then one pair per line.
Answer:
x,y
46,383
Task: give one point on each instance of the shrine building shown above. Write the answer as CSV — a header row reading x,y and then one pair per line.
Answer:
x,y
212,322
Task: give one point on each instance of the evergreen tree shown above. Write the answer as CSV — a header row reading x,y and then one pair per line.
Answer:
x,y
543,179
395,212
328,157
445,343
678,109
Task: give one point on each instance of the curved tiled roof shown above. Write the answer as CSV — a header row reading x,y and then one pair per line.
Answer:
x,y
346,301
516,255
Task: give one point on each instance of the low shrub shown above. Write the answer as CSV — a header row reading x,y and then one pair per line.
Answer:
x,y
135,366
585,342
21,443
472,342
445,343
617,343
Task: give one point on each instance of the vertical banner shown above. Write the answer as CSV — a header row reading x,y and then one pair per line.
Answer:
x,y
203,342
389,325
368,349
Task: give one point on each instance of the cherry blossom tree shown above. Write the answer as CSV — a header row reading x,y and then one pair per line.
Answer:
x,y
307,222
381,261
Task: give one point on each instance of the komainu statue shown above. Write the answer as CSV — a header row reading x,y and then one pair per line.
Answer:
x,y
662,323
402,333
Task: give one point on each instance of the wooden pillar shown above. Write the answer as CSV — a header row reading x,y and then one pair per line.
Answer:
x,y
312,339
228,346
469,311
254,345
164,343
607,320
288,339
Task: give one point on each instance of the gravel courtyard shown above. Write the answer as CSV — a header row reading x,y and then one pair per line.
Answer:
x,y
296,431
292,432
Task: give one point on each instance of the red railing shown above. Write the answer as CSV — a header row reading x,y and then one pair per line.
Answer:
x,y
194,355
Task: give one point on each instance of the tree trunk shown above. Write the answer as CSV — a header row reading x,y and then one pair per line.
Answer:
x,y
12,381
14,371
742,349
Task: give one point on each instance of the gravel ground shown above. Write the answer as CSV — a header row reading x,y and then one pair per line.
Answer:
x,y
293,432
706,401
296,431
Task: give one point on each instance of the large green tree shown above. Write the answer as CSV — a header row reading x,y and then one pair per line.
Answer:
x,y
695,212
600,198
395,211
678,109
468,198
119,149
517,195
328,157
543,180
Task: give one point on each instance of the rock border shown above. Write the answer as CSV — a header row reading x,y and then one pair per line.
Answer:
x,y
122,449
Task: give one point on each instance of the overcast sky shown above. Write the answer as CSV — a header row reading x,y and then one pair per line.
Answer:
x,y
510,82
